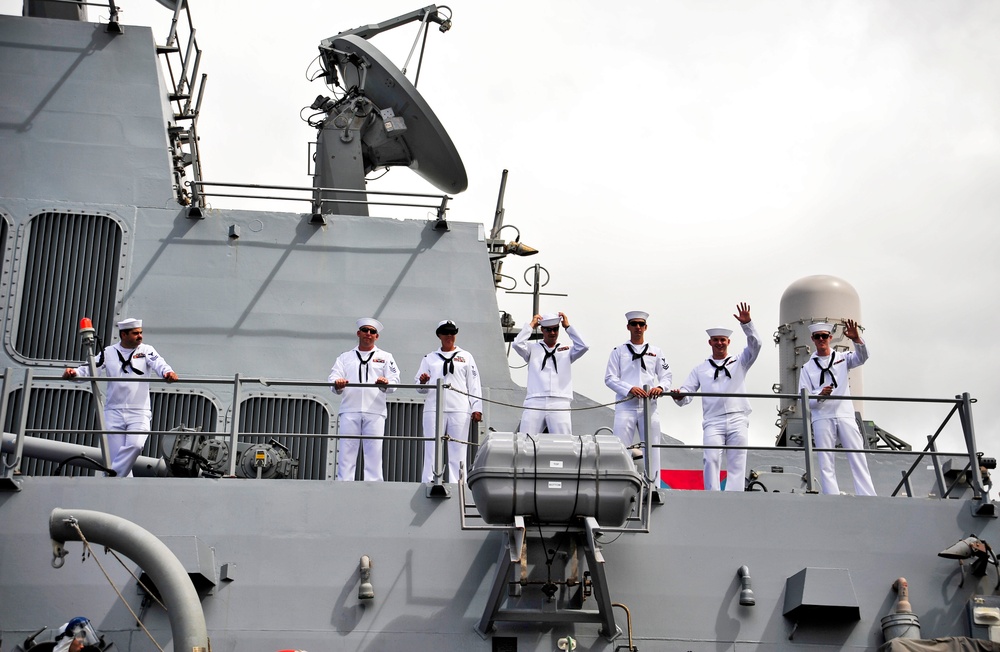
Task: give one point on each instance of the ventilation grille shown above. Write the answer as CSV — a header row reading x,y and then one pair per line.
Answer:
x,y
178,409
402,459
55,414
70,270
271,414
60,413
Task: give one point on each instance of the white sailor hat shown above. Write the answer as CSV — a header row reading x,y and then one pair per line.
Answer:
x,y
369,321
719,332
636,314
822,327
550,319
129,324
446,327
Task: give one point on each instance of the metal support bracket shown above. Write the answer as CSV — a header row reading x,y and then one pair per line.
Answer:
x,y
510,555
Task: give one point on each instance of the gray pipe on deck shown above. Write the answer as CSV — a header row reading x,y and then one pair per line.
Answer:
x,y
187,620
58,451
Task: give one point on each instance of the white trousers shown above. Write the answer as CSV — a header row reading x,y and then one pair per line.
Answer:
x,y
456,424
534,421
360,423
630,422
728,430
826,434
125,449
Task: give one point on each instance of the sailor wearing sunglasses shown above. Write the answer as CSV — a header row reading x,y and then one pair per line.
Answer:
x,y
458,369
632,366
362,409
833,422
550,376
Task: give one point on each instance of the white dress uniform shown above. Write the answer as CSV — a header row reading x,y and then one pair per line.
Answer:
x,y
127,404
463,375
637,366
362,409
725,420
834,421
550,381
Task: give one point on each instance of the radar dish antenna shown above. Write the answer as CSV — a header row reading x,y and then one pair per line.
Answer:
x,y
382,121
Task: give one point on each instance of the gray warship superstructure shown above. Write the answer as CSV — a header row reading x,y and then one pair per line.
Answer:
x,y
233,535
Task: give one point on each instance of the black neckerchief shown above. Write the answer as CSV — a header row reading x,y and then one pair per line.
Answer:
x,y
640,356
826,370
449,365
721,367
127,363
364,363
550,355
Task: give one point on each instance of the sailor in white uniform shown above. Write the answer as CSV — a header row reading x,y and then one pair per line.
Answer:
x,y
127,405
362,409
550,375
825,374
725,420
457,368
632,366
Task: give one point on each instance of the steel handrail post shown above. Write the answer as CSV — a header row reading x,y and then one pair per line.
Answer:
x,y
95,391
965,414
646,420
938,475
438,474
235,425
29,375
4,467
807,442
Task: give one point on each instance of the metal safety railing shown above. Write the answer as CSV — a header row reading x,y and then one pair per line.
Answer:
x,y
240,391
203,191
960,407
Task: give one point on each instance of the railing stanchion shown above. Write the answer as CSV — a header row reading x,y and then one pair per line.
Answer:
x,y
646,420
5,469
979,492
437,488
807,439
938,475
234,427
22,428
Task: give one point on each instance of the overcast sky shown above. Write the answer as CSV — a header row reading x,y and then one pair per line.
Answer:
x,y
680,157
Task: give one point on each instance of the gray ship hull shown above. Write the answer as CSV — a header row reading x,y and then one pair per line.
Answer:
x,y
290,553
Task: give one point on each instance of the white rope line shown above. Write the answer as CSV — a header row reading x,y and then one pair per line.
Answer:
x,y
541,409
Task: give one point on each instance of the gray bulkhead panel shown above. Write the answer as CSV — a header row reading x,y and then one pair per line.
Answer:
x,y
281,300
87,120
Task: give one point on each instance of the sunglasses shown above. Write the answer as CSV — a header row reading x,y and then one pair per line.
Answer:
x,y
821,336
368,330
640,324
550,329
